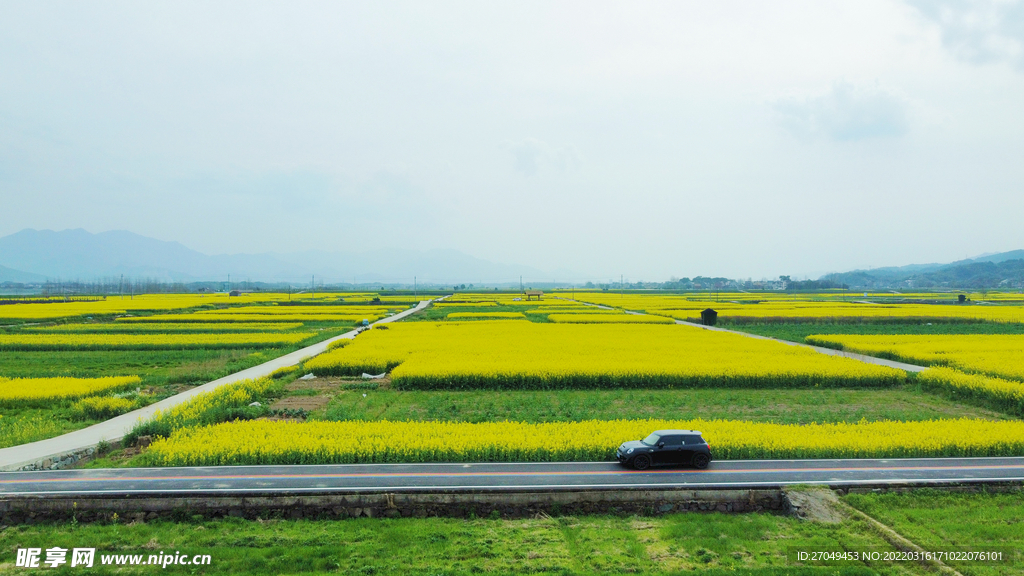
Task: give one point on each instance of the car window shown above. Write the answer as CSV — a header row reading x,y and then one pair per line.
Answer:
x,y
672,440
693,440
651,440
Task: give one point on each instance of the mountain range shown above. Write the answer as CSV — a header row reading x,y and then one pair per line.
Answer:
x,y
36,255
1001,270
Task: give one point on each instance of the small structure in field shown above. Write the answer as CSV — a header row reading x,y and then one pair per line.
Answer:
x,y
708,317
531,293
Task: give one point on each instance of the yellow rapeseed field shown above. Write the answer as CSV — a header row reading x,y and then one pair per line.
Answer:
x,y
177,318
19,390
1000,355
164,327
353,311
268,442
495,315
203,409
513,355
118,305
576,310
740,308
609,319
1005,394
102,407
146,341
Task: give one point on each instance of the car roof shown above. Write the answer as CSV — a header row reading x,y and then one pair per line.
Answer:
x,y
671,432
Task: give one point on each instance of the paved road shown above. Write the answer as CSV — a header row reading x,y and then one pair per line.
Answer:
x,y
352,478
114,429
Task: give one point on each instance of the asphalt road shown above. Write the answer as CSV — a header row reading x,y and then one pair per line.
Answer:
x,y
352,478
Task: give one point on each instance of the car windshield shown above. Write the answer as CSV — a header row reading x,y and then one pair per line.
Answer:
x,y
652,439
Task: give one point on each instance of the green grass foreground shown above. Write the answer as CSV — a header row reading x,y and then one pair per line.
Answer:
x,y
794,406
705,544
937,520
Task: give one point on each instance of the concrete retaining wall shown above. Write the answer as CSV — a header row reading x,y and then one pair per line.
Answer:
x,y
499,504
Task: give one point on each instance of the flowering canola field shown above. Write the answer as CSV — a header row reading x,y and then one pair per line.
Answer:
x,y
21,390
311,311
117,305
1005,394
269,442
473,315
146,341
515,355
247,318
162,327
789,310
1000,355
609,319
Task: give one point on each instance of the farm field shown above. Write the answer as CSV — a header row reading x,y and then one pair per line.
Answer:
x,y
798,332
517,354
711,544
793,406
261,442
936,519
455,367
707,544
162,358
761,308
485,360
992,354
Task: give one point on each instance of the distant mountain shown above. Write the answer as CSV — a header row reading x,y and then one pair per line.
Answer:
x,y
1004,270
994,258
17,276
78,254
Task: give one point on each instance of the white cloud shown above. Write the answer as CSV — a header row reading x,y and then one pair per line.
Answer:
x,y
846,112
979,31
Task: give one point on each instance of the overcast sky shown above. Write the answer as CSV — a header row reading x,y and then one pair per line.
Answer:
x,y
651,139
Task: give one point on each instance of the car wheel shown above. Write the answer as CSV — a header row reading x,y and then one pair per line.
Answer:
x,y
642,462
701,461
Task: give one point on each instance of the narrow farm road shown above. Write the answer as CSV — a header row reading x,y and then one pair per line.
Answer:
x,y
16,457
503,477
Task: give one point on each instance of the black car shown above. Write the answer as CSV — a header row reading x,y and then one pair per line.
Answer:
x,y
665,448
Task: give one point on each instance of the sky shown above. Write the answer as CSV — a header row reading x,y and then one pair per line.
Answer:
x,y
649,139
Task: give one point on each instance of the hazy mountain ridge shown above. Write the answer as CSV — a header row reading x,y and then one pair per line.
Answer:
x,y
1002,270
33,255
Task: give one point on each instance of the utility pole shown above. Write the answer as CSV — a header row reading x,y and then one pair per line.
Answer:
x,y
521,283
312,284
415,292
120,287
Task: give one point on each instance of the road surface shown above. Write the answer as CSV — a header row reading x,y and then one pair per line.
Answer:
x,y
511,477
114,429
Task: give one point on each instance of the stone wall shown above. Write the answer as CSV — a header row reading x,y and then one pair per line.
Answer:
x,y
61,461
